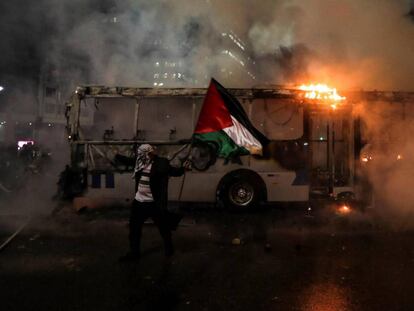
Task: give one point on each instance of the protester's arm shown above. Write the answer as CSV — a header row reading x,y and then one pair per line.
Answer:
x,y
175,171
179,171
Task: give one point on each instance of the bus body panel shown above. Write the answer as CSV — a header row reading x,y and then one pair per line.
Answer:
x,y
324,138
281,187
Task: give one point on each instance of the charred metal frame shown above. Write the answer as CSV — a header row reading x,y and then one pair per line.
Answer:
x,y
79,145
73,108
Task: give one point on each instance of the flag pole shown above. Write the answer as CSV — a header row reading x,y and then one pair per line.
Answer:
x,y
185,173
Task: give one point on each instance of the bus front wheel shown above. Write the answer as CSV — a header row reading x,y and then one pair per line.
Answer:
x,y
241,190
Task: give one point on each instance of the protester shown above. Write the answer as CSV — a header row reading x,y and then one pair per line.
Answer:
x,y
151,176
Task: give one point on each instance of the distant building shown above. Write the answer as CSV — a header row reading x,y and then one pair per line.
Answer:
x,y
237,59
231,61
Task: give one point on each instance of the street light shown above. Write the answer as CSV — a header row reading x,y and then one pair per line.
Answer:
x,y
1,88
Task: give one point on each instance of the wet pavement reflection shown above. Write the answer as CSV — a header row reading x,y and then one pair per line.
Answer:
x,y
271,260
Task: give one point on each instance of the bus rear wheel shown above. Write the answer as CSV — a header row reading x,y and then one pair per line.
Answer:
x,y
241,191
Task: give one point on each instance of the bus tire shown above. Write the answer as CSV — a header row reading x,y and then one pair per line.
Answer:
x,y
241,190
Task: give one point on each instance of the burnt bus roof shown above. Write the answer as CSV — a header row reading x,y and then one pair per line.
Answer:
x,y
105,91
252,93
282,92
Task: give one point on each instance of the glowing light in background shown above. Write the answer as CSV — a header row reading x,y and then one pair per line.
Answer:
x,y
21,143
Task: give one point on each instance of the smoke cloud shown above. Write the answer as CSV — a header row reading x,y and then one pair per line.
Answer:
x,y
350,44
387,128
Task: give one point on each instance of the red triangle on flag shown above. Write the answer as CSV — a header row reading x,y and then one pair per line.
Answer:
x,y
214,115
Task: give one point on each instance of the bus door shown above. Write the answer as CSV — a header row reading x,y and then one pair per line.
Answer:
x,y
331,151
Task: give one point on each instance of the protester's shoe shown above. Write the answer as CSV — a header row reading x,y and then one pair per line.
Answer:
x,y
129,257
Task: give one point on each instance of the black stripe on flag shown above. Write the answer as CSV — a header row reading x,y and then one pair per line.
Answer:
x,y
237,111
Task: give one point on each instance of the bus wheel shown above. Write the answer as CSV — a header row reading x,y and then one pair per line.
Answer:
x,y
241,190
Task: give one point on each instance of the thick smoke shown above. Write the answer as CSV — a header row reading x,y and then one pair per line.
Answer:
x,y
121,44
351,44
387,129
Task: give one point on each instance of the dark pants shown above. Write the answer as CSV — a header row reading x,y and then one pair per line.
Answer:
x,y
140,212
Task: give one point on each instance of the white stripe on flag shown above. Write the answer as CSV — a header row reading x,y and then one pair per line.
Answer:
x,y
243,138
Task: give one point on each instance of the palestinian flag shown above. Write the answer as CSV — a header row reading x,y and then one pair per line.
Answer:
x,y
224,123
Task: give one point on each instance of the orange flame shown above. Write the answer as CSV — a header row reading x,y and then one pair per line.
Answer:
x,y
322,92
344,209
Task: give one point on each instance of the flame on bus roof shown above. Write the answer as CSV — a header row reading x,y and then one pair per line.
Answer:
x,y
322,92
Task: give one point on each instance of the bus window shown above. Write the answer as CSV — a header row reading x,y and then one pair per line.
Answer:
x,y
278,119
113,118
166,118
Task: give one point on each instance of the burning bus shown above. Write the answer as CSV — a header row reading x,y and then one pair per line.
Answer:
x,y
315,149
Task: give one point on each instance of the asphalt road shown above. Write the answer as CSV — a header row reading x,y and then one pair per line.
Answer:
x,y
69,262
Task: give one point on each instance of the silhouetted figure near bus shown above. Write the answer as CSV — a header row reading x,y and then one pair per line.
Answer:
x,y
151,175
65,183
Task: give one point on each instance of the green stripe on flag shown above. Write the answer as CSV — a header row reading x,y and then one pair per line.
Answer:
x,y
227,148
